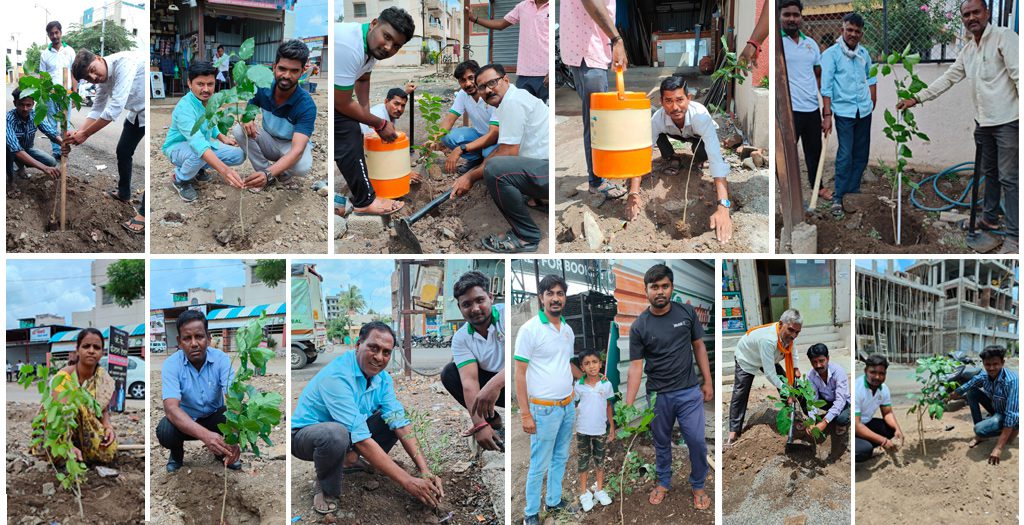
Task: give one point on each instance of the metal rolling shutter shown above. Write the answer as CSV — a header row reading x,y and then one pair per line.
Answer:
x,y
505,43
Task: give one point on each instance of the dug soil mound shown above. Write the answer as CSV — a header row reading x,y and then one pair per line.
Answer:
x,y
762,483
93,219
106,501
953,482
193,494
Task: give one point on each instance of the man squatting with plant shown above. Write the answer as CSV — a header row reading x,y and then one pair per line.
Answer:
x,y
476,375
475,141
595,426
357,48
873,432
349,417
21,138
192,153
516,172
760,350
544,390
849,92
989,60
53,60
195,382
831,386
280,149
532,55
664,341
996,391
686,120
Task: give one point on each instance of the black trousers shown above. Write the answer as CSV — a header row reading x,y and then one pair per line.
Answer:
x,y
864,447
351,161
808,133
131,135
325,444
510,181
452,382
174,440
665,147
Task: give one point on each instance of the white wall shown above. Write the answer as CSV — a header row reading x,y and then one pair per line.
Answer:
x,y
752,103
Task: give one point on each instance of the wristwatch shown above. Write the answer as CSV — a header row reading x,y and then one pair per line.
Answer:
x,y
725,203
464,148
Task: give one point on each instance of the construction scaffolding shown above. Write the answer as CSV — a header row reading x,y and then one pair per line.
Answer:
x,y
897,316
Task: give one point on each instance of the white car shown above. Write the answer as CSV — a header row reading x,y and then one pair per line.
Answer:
x,y
136,380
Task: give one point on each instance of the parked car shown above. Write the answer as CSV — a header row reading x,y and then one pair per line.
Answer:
x,y
136,379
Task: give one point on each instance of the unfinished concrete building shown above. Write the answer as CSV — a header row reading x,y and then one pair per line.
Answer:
x,y
936,306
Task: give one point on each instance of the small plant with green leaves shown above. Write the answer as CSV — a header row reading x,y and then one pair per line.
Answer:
x,y
734,68
251,414
631,422
431,109
901,128
56,422
801,390
432,447
228,106
934,393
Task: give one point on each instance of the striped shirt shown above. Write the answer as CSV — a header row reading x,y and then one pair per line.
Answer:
x,y
21,133
1002,391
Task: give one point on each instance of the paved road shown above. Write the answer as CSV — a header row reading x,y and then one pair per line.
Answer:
x,y
19,395
424,359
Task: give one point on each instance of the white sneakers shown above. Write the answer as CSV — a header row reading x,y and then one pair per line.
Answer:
x,y
587,499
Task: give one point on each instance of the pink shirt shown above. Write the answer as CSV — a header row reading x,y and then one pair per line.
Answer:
x,y
581,38
533,37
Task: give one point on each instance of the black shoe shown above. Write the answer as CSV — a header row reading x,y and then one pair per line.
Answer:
x,y
234,466
173,465
562,505
531,520
186,190
203,176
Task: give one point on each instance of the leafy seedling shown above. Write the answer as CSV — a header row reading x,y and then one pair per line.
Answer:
x,y
801,390
934,393
734,69
431,109
631,423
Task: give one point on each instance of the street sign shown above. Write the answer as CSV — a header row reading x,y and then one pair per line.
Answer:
x,y
39,335
117,366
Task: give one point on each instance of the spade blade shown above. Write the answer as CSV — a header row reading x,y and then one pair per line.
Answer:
x,y
406,236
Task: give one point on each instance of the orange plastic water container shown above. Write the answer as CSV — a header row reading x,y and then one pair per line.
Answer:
x,y
388,165
620,132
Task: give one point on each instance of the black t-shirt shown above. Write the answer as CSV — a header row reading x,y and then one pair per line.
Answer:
x,y
665,343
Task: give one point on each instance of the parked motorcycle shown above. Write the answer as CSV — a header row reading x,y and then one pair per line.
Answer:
x,y
563,76
88,92
965,371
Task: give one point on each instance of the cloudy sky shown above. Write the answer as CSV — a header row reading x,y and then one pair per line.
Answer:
x,y
178,275
373,277
47,287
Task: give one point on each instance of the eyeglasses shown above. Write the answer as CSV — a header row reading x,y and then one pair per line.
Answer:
x,y
490,84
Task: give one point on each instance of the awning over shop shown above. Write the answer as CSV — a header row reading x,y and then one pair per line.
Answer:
x,y
247,311
62,337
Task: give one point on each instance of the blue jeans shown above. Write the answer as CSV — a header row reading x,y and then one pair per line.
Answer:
x,y
854,136
687,407
549,451
589,80
187,164
984,427
463,135
50,112
13,163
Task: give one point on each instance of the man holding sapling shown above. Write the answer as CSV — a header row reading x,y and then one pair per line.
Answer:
x,y
280,149
473,142
357,48
873,396
192,153
664,342
759,351
989,61
195,382
476,375
831,386
544,390
348,418
996,392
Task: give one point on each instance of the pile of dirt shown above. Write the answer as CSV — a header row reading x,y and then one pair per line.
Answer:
x,y
286,218
954,482
106,501
762,483
93,219
193,494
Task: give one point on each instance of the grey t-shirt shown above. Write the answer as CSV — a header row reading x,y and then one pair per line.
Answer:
x,y
665,343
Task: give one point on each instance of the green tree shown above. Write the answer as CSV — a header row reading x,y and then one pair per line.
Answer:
x,y
912,24
270,272
352,300
126,281
338,328
115,38
32,54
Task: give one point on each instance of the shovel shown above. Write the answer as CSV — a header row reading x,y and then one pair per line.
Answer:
x,y
978,240
404,226
794,446
817,178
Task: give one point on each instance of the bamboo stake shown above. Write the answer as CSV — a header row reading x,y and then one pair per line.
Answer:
x,y
64,163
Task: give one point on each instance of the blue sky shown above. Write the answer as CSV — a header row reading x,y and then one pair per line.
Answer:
x,y
901,264
310,18
178,275
373,277
47,287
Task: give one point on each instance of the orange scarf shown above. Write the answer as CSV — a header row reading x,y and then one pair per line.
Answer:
x,y
787,353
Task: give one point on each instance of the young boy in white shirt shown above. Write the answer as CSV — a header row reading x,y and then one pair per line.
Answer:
x,y
594,415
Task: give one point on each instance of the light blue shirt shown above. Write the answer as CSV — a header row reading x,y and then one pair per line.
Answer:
x,y
341,393
186,113
201,392
845,80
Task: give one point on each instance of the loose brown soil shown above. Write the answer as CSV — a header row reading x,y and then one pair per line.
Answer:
x,y
762,483
93,219
953,482
107,501
192,495
286,218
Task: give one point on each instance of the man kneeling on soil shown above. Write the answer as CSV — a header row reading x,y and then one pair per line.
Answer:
x,y
996,391
348,418
760,350
683,119
476,376
873,395
21,137
475,142
288,115
664,342
831,386
191,153
195,382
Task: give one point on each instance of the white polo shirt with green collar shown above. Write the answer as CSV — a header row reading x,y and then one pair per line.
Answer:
x,y
486,350
869,402
351,54
546,350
